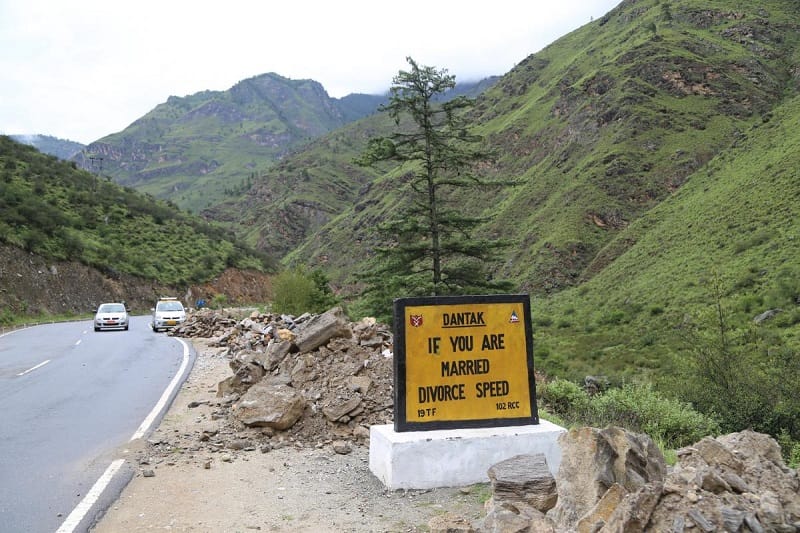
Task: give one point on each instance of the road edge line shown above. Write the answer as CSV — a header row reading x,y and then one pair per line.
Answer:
x,y
148,421
79,513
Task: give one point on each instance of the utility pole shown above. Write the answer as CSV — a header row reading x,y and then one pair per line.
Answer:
x,y
99,160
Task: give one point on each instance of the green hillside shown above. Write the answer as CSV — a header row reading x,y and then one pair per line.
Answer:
x,y
605,130
52,209
732,225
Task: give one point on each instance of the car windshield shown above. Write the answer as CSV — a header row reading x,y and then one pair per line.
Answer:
x,y
169,306
111,308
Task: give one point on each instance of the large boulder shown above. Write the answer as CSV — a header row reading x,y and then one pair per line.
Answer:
x,y
524,479
246,373
322,328
270,404
594,461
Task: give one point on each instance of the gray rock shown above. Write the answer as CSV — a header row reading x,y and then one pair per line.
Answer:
x,y
268,404
634,511
342,447
525,479
593,460
732,519
338,410
276,352
320,329
701,521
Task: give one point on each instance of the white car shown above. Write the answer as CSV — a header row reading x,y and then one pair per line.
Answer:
x,y
168,313
111,316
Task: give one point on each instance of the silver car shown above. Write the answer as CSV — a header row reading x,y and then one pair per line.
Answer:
x,y
168,313
111,316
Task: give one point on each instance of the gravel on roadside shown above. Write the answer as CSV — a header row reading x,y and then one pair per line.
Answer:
x,y
183,484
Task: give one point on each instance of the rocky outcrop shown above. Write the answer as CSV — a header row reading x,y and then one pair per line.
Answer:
x,y
612,480
33,285
594,461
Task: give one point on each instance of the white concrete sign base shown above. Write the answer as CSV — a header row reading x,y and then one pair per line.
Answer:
x,y
455,457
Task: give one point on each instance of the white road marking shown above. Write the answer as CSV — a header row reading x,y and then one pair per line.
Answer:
x,y
34,367
91,497
164,397
78,514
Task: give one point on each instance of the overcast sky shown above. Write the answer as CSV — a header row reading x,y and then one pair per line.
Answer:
x,y
83,69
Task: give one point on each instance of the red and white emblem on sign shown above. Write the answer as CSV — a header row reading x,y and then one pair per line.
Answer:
x,y
416,320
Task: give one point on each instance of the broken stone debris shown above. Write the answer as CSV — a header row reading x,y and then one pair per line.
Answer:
x,y
614,480
306,379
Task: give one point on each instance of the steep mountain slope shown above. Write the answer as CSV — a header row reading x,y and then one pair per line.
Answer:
x,y
604,130
728,236
199,149
602,126
616,115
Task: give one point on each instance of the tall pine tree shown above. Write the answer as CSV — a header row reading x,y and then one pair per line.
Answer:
x,y
428,247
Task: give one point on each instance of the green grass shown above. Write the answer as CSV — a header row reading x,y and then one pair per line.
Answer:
x,y
735,219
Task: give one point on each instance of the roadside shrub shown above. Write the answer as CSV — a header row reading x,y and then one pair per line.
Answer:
x,y
292,292
790,449
639,408
635,407
564,398
219,301
745,376
6,317
297,291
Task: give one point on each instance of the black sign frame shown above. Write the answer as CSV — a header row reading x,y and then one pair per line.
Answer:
x,y
401,422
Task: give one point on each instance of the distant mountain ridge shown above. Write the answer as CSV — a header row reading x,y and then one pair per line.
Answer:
x,y
61,148
194,150
202,149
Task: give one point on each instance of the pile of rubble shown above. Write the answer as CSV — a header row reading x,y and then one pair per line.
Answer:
x,y
311,379
614,480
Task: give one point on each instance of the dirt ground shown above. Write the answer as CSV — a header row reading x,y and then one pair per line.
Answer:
x,y
183,484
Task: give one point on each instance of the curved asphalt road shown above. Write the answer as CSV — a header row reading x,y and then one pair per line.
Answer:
x,y
70,400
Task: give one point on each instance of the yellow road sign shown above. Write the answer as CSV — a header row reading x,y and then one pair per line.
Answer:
x,y
463,361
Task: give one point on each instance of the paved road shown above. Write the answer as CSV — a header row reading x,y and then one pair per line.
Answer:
x,y
69,398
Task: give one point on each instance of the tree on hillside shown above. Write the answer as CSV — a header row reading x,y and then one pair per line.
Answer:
x,y
428,247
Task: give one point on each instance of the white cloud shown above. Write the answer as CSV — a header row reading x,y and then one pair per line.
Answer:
x,y
88,68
